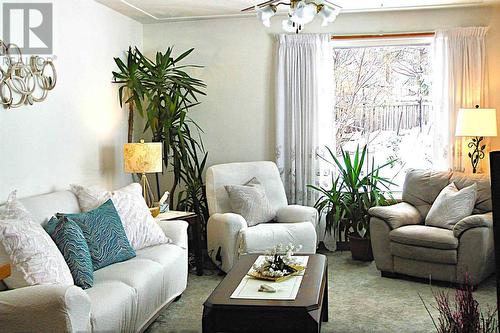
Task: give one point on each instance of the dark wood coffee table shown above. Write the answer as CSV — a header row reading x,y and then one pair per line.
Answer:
x,y
304,314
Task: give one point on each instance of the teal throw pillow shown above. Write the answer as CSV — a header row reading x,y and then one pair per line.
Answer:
x,y
105,236
70,240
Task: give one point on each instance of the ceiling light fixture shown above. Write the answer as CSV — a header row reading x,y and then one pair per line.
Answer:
x,y
300,13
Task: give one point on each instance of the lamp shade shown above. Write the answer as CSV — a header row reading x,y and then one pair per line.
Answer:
x,y
143,157
476,122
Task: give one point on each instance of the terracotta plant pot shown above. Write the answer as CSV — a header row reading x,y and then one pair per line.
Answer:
x,y
361,248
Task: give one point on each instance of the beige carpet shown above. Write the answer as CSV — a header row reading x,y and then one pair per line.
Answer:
x,y
360,301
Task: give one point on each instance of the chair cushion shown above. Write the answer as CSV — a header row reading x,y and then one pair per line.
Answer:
x,y
424,253
451,206
144,276
263,237
420,235
113,307
250,201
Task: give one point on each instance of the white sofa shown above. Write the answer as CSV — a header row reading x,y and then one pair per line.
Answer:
x,y
228,235
126,296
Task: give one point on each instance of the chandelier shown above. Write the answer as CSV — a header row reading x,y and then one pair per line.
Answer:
x,y
21,83
300,12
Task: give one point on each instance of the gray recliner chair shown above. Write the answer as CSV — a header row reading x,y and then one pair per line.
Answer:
x,y
403,244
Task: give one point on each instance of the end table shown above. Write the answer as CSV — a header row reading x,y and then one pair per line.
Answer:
x,y
4,271
194,225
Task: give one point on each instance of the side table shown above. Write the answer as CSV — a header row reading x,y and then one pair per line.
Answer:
x,y
4,271
194,225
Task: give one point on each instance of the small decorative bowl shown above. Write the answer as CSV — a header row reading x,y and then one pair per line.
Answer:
x,y
297,269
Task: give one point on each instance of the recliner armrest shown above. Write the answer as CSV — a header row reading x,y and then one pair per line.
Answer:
x,y
222,238
397,215
45,308
473,221
297,213
176,230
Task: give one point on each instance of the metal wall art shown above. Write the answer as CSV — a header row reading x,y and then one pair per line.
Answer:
x,y
21,83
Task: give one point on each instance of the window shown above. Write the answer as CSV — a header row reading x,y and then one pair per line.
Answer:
x,y
383,100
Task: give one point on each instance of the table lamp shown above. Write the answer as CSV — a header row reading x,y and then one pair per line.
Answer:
x,y
476,123
143,158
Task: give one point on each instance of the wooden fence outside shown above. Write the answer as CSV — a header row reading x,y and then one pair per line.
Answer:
x,y
388,117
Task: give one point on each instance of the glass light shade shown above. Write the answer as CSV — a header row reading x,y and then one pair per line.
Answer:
x,y
264,14
287,26
328,14
303,13
143,157
476,122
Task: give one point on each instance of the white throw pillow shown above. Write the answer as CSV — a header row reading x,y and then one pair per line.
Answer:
x,y
34,257
451,206
141,228
250,201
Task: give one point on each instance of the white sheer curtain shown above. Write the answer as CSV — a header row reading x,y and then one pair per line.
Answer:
x,y
460,81
304,114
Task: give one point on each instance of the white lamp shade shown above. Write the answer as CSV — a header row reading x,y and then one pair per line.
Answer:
x,y
476,122
304,13
143,157
328,14
264,14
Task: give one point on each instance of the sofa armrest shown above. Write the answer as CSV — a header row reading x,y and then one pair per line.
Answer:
x,y
45,308
296,213
176,230
397,215
222,238
473,221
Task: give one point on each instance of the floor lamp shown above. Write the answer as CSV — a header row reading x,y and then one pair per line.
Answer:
x,y
143,158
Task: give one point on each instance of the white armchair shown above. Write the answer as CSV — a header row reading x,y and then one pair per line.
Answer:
x,y
229,236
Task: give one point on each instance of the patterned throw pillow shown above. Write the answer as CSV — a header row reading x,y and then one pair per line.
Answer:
x,y
33,256
451,205
104,233
141,228
70,240
250,201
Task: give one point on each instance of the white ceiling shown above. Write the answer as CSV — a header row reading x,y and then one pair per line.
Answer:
x,y
154,11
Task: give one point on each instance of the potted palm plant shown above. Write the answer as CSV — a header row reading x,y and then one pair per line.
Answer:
x,y
357,187
162,91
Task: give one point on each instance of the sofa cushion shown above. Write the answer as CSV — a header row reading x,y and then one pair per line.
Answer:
x,y
141,229
420,235
451,206
105,236
71,242
144,276
174,262
424,253
263,237
113,307
34,257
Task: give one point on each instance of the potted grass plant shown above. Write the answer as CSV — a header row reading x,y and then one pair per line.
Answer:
x,y
356,187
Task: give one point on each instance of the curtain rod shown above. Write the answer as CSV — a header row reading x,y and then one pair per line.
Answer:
x,y
398,35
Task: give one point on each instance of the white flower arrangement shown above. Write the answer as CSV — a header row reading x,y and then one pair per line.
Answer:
x,y
278,262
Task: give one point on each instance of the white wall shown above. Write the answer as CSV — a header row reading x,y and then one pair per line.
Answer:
x,y
77,134
238,55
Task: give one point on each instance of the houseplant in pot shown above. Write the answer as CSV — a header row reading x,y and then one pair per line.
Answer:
x,y
163,91
357,187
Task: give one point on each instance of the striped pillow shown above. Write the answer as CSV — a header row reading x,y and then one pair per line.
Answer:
x,y
104,233
70,240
